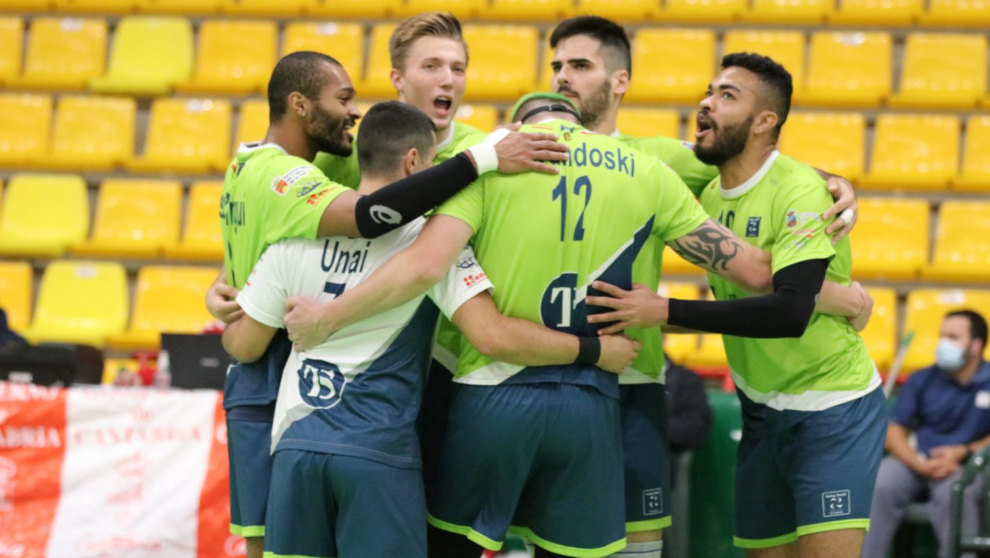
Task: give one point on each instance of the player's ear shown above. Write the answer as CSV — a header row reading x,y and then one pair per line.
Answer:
x,y
299,104
398,82
410,162
620,82
765,121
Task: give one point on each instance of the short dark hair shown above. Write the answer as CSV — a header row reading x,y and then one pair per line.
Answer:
x,y
977,325
296,71
772,74
387,132
611,35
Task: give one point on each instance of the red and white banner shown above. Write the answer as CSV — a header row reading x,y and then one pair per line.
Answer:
x,y
113,472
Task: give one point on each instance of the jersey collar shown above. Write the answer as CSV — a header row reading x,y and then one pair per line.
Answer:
x,y
450,137
251,146
741,190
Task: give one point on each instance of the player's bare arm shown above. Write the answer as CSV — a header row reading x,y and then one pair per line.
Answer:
x,y
715,248
220,299
246,339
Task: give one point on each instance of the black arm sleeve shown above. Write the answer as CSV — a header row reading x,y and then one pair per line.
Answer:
x,y
783,313
404,200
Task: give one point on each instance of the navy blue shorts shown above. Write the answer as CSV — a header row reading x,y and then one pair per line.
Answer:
x,y
545,459
249,441
805,472
645,445
324,505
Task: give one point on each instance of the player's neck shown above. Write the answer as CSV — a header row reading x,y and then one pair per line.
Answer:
x,y
291,141
742,167
607,124
444,135
371,184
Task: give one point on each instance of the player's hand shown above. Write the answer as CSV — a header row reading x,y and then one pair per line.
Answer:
x,y
860,320
943,468
618,352
954,452
640,307
845,207
304,322
524,151
222,304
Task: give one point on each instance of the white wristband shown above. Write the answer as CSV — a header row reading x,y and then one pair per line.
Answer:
x,y
484,153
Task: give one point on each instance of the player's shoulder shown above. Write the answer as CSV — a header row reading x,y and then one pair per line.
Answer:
x,y
792,171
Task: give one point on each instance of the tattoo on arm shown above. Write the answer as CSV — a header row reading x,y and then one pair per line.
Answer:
x,y
711,246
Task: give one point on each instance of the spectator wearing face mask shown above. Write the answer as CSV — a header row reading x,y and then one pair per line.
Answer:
x,y
947,407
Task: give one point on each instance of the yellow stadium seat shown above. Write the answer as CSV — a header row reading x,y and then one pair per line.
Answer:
x,y
785,47
26,5
913,152
11,41
24,128
695,11
890,240
710,353
96,6
621,10
463,9
343,41
788,11
134,219
962,243
180,7
932,79
880,334
80,302
201,238
482,117
674,264
376,82
93,133
503,61
975,173
252,123
233,57
272,8
957,13
16,290
847,69
831,141
679,346
901,13
43,214
528,10
167,299
671,65
647,122
63,53
150,54
925,310
186,135
352,8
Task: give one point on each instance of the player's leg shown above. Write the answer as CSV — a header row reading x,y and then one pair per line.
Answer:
x,y
444,544
302,510
896,487
249,435
832,544
789,550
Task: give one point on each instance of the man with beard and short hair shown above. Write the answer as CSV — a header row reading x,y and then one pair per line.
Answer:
x,y
271,192
811,398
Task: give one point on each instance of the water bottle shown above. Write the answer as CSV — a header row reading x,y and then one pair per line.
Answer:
x,y
163,373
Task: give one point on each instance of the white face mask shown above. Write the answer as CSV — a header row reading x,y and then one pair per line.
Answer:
x,y
949,355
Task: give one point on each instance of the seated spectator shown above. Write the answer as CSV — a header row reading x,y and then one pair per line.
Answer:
x,y
947,407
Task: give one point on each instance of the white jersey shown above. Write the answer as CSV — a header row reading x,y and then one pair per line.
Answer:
x,y
358,393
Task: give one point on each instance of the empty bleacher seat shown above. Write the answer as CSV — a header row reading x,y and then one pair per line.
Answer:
x,y
503,61
25,5
785,47
674,264
876,12
233,57
271,8
463,9
167,299
482,117
150,54
180,7
80,302
962,243
834,142
957,13
43,214
24,128
92,133
63,53
134,219
186,135
376,82
788,11
925,310
622,10
96,6
880,334
847,69
352,8
201,237
890,240
527,10
913,152
695,11
942,70
343,41
16,288
11,41
672,65
975,173
252,121
679,346
648,122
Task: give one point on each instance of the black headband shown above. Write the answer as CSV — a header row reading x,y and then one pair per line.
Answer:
x,y
556,107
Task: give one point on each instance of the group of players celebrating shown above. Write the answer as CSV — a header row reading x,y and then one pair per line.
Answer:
x,y
542,409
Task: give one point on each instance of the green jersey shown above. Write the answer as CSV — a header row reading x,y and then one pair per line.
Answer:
x,y
779,210
678,155
269,195
343,170
462,137
542,239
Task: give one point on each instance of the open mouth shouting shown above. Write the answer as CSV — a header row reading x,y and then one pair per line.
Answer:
x,y
703,125
442,105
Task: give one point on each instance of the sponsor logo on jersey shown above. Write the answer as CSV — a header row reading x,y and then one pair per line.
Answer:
x,y
282,183
474,278
652,501
836,503
307,187
791,218
753,227
466,263
313,198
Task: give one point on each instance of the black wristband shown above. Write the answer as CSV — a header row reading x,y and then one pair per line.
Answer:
x,y
589,350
